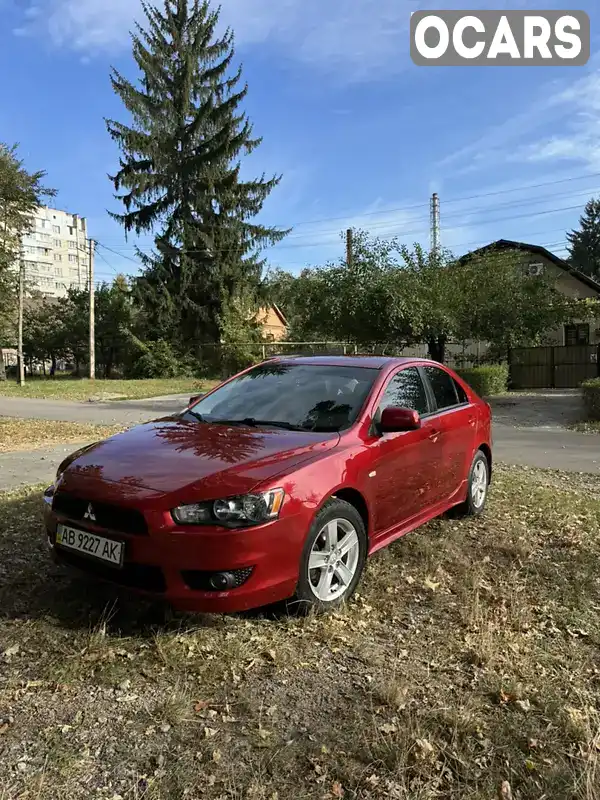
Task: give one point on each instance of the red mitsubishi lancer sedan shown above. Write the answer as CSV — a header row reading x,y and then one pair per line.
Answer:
x,y
276,485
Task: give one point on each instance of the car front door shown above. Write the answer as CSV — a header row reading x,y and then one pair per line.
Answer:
x,y
403,462
456,420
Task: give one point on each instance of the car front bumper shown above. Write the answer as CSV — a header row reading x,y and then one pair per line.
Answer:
x,y
173,564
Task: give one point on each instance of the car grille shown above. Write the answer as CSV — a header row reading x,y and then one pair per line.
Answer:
x,y
113,518
144,577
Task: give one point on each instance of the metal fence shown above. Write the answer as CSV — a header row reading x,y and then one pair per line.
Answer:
x,y
553,367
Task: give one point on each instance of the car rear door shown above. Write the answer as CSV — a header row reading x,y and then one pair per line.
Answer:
x,y
402,463
456,420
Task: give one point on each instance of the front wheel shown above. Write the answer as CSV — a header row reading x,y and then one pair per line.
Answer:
x,y
333,558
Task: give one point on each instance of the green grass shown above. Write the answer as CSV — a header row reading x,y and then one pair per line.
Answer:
x,y
466,669
66,388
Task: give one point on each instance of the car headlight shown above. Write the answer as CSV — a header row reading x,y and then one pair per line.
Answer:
x,y
242,511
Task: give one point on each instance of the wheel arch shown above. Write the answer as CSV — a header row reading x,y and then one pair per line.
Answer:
x,y
355,499
487,452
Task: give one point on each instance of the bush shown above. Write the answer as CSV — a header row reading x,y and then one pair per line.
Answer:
x,y
591,398
488,380
157,360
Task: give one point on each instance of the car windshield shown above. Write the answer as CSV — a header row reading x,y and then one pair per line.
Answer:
x,y
297,396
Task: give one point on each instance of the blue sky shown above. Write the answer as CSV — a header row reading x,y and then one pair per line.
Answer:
x,y
361,135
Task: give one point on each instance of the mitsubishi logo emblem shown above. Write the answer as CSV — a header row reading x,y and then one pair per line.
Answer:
x,y
89,514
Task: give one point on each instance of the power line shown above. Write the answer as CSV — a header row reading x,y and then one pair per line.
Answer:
x,y
525,187
395,234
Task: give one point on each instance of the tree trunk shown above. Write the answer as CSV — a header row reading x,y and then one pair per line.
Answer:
x,y
437,349
44,367
2,367
53,367
77,368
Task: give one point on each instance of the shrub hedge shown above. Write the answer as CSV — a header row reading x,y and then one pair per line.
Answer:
x,y
487,380
591,398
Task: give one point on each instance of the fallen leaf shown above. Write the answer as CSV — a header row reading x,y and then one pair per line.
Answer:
x,y
201,705
264,734
337,790
505,792
429,584
216,756
209,733
524,705
425,748
388,728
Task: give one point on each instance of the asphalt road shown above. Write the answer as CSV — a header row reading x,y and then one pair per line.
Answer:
x,y
549,447
121,411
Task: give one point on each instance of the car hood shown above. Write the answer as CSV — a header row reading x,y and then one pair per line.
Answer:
x,y
197,459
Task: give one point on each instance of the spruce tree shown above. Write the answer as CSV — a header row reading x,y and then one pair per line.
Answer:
x,y
584,244
180,173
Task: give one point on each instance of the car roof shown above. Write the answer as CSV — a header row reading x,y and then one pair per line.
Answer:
x,y
371,362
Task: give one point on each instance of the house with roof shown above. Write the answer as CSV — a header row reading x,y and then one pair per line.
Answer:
x,y
537,260
273,323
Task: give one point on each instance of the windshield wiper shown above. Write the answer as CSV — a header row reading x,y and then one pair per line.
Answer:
x,y
251,422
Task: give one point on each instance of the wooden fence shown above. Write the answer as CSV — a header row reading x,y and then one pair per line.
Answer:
x,y
553,367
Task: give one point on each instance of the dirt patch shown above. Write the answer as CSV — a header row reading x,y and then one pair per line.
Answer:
x,y
466,669
544,409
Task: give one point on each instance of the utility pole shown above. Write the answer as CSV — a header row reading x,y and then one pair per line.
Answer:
x,y
92,315
20,342
435,223
349,247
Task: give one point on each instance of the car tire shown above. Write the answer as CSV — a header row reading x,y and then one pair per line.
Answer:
x,y
336,547
477,488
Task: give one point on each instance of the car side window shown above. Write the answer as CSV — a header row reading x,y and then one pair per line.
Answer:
x,y
462,395
446,391
406,390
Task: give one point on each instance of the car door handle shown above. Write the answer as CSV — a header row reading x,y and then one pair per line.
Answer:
x,y
472,420
434,435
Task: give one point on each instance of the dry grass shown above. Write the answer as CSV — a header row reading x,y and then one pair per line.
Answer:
x,y
32,434
67,388
586,427
467,668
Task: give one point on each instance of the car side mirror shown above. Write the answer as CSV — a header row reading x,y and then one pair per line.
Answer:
x,y
195,399
399,420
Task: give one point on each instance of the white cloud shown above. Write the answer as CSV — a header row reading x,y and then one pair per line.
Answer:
x,y
561,126
355,38
365,34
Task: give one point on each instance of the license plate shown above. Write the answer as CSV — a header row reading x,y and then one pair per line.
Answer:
x,y
89,544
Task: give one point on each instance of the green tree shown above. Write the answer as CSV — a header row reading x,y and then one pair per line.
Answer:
x,y
372,301
21,193
584,244
180,173
44,331
498,301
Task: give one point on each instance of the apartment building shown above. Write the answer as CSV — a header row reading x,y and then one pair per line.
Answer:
x,y
56,253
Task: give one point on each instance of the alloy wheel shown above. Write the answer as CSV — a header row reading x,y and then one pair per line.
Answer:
x,y
479,483
334,560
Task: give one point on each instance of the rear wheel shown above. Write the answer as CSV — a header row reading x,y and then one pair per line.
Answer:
x,y
478,485
333,558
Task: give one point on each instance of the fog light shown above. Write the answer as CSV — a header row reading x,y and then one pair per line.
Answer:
x,y
222,581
